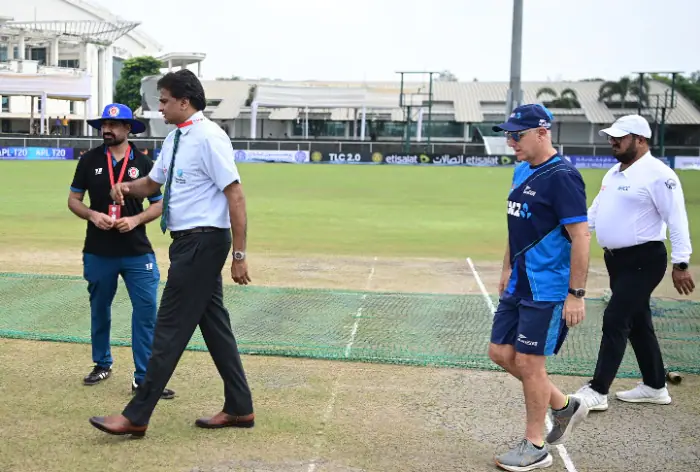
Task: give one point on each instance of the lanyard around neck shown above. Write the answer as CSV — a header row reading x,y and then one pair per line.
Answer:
x,y
110,167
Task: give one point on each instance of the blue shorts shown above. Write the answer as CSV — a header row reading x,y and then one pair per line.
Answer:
x,y
531,327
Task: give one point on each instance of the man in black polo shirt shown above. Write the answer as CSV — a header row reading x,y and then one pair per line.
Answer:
x,y
116,242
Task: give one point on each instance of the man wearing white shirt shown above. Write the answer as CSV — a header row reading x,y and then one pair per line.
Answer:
x,y
203,203
639,199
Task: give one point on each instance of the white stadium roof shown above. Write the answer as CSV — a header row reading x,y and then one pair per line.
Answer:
x,y
470,102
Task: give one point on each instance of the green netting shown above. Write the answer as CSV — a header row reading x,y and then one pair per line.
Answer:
x,y
401,328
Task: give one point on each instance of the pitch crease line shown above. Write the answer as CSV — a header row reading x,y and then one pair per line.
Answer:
x,y
334,391
548,423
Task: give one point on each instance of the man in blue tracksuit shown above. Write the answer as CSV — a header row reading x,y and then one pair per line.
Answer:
x,y
116,242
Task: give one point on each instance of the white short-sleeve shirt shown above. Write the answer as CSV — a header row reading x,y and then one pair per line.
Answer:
x,y
639,205
204,167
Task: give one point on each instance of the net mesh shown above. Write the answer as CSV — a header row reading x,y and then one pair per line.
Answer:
x,y
389,327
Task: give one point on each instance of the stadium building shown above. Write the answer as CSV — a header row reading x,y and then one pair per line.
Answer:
x,y
455,111
61,59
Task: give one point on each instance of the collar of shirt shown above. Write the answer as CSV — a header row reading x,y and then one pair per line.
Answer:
x,y
635,168
114,160
185,127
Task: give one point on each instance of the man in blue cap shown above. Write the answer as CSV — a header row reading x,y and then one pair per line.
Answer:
x,y
116,242
543,281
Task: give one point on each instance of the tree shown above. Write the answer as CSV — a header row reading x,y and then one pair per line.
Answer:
x,y
688,86
233,77
251,95
567,98
447,76
623,88
128,90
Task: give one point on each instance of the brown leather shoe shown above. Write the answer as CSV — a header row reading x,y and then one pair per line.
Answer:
x,y
117,425
223,420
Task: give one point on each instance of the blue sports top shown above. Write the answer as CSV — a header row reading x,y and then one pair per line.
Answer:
x,y
542,200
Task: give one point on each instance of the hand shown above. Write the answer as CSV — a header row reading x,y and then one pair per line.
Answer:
x,y
126,224
239,272
503,284
683,281
118,192
101,220
574,311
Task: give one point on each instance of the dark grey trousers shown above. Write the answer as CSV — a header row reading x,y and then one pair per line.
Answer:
x,y
192,297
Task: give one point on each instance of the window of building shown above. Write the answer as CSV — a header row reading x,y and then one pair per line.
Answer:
x,y
70,63
4,56
213,103
397,129
323,128
5,104
38,54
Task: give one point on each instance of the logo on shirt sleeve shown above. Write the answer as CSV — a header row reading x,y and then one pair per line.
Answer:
x,y
670,184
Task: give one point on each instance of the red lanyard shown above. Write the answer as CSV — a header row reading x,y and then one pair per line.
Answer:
x,y
189,122
111,170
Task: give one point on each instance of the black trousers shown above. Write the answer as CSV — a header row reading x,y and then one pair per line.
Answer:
x,y
193,296
634,274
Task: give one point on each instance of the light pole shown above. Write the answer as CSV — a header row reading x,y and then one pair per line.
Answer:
x,y
515,96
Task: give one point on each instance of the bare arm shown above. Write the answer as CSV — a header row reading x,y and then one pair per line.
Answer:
x,y
506,258
153,211
77,206
580,252
140,188
237,213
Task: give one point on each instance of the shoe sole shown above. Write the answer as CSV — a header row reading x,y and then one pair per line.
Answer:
x,y
599,407
247,424
136,434
544,463
576,419
657,401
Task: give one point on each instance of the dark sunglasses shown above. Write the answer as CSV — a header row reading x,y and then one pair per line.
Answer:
x,y
516,135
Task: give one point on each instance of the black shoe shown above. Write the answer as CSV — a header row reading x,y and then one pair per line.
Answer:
x,y
166,395
97,375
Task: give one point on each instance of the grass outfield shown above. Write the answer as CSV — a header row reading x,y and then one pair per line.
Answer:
x,y
315,415
318,209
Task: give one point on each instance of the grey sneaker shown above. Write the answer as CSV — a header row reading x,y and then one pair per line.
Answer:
x,y
523,457
564,421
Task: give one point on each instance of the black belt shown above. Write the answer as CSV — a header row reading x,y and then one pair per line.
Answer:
x,y
199,229
630,249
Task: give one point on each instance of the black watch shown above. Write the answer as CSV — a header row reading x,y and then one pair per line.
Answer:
x,y
681,266
577,292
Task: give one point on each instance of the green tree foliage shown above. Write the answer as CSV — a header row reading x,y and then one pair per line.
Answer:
x,y
622,90
566,99
128,90
688,86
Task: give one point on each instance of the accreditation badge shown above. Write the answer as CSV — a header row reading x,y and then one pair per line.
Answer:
x,y
115,212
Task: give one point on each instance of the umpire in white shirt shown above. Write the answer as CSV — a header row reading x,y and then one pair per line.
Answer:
x,y
639,198
203,203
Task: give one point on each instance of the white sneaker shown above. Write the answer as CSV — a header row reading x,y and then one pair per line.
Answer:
x,y
593,400
645,394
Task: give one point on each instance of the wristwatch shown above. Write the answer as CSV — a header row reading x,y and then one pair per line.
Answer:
x,y
577,292
238,255
681,266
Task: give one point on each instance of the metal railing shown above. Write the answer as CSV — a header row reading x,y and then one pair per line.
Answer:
x,y
385,147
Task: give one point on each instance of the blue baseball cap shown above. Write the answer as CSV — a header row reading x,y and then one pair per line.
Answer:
x,y
527,117
118,112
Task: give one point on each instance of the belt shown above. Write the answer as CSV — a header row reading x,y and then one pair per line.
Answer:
x,y
199,229
630,249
